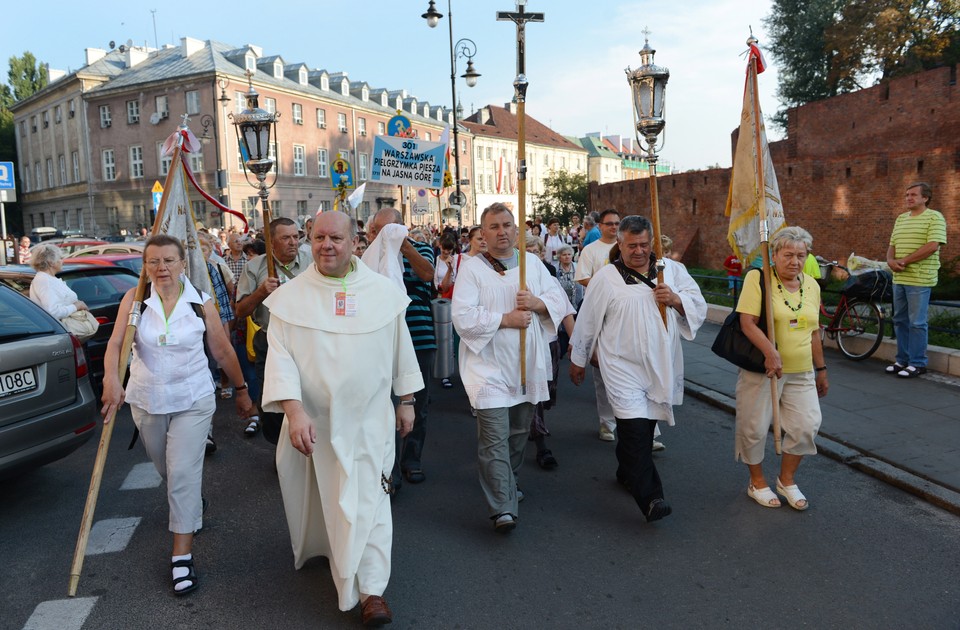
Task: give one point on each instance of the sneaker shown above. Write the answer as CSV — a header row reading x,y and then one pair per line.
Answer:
x,y
519,494
446,383
504,523
607,435
211,447
658,446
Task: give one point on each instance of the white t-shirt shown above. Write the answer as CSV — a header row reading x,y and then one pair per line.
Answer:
x,y
593,257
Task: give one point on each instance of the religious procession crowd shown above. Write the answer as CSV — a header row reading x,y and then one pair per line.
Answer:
x,y
347,438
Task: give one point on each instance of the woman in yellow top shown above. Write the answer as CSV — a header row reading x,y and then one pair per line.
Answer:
x,y
796,362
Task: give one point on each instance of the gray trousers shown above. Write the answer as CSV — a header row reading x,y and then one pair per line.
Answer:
x,y
175,444
501,438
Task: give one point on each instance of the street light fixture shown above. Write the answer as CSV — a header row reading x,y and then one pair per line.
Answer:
x,y
254,126
648,84
465,48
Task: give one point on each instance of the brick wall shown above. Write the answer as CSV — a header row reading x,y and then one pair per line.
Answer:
x,y
842,172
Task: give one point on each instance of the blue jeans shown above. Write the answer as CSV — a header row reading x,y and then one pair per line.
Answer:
x,y
910,323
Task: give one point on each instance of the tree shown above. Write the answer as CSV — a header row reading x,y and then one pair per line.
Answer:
x,y
27,76
564,194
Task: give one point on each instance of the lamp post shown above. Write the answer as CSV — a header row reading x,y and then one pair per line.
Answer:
x,y
467,49
254,126
648,84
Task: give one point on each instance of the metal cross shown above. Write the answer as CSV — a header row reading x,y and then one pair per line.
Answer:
x,y
520,17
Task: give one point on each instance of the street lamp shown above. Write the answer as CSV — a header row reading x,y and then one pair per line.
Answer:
x,y
463,48
254,126
648,84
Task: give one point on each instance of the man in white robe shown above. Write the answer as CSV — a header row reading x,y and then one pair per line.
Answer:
x,y
338,344
490,312
641,361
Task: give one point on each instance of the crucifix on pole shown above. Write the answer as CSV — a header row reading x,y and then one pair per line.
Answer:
x,y
520,17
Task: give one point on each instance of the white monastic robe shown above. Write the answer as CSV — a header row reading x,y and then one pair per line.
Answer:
x,y
641,363
342,368
490,355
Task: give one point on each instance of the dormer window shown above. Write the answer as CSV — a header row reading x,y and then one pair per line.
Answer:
x,y
325,83
384,99
277,70
364,94
250,62
345,87
398,104
303,76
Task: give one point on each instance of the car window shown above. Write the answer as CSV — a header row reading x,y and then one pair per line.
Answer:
x,y
19,317
133,264
97,288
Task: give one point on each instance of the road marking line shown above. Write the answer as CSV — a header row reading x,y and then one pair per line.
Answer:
x,y
111,535
61,614
142,476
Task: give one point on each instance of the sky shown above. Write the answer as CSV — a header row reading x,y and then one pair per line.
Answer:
x,y
575,59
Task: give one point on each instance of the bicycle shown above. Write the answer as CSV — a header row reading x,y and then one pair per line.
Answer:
x,y
856,324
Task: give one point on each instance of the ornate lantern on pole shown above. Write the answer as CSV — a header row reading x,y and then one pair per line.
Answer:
x,y
648,85
463,48
254,126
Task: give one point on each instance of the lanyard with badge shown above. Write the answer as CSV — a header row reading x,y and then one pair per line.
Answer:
x,y
167,338
344,302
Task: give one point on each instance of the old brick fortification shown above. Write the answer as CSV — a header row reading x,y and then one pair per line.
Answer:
x,y
842,172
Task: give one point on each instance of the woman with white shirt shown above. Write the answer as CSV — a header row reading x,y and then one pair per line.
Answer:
x,y
170,391
49,291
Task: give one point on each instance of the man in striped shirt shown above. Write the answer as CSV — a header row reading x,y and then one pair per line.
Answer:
x,y
914,258
418,273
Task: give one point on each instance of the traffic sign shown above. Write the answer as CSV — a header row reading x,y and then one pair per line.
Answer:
x,y
7,181
458,200
157,193
157,188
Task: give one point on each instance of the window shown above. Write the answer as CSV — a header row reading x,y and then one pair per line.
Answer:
x,y
321,118
51,178
277,69
199,210
463,147
113,218
276,206
109,166
299,160
79,212
322,163
324,83
57,114
240,165
324,206
489,153
71,111
428,136
240,102
250,63
362,126
133,112
75,158
297,114
163,106
546,160
140,214
136,162
25,176
46,118
479,153
301,207
33,124
273,156
270,104
23,128
381,128
302,76
163,160
38,175
104,117
62,163
193,102
342,123
362,161
196,162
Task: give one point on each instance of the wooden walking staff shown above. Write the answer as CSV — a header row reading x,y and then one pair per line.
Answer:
x,y
764,239
125,349
648,84
520,17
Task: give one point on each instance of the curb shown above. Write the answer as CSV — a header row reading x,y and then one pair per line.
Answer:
x,y
930,492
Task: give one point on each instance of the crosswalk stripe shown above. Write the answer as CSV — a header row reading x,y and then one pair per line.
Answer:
x,y
141,477
61,614
111,535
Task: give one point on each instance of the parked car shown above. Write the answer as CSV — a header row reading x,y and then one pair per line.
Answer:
x,y
71,245
47,405
101,287
133,262
109,248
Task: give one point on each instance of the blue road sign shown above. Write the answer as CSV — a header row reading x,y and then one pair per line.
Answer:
x,y
7,181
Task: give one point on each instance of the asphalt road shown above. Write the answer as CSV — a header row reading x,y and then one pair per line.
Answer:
x,y
865,555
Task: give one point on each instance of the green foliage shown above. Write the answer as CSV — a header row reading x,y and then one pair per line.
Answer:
x,y
564,195
27,76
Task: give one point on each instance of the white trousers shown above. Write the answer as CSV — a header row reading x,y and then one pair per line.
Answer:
x,y
799,414
175,444
604,410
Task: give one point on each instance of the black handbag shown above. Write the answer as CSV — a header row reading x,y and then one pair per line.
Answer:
x,y
734,346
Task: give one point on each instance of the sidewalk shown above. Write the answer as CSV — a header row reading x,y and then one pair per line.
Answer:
x,y
903,431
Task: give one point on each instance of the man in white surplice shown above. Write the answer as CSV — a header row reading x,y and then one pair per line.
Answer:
x,y
641,361
489,313
338,345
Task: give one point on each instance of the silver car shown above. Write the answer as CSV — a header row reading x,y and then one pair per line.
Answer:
x,y
47,406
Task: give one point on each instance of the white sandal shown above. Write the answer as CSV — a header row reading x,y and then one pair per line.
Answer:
x,y
793,496
763,496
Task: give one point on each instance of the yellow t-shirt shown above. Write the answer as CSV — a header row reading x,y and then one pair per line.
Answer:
x,y
792,330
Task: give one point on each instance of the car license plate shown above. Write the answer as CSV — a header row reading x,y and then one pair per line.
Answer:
x,y
17,382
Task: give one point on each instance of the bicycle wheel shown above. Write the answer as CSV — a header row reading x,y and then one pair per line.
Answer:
x,y
860,330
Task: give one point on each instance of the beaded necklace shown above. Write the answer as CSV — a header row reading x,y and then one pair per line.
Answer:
x,y
784,293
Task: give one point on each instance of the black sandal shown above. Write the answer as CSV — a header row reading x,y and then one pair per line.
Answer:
x,y
191,577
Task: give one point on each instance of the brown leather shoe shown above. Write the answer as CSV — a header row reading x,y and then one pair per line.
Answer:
x,y
374,612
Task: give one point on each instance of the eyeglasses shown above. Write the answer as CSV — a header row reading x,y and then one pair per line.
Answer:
x,y
166,262
611,223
